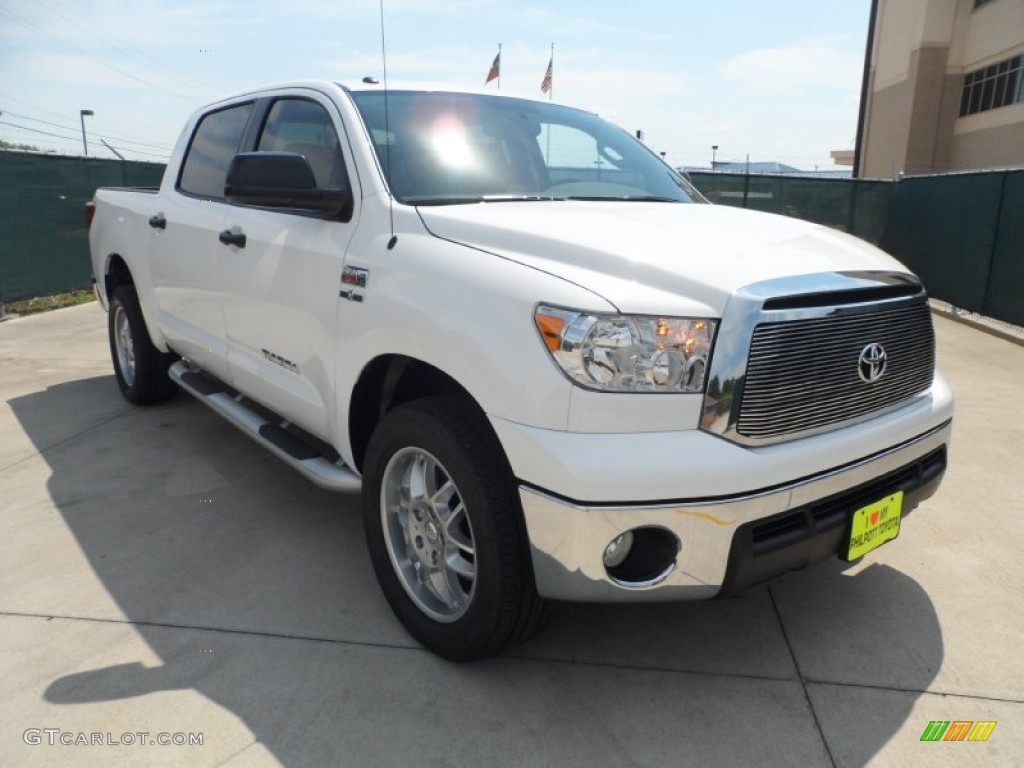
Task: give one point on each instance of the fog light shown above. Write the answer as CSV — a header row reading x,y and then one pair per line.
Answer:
x,y
618,549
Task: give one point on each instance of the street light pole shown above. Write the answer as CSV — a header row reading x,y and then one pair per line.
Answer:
x,y
81,116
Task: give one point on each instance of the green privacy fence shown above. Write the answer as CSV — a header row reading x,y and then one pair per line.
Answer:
x,y
858,207
43,244
962,233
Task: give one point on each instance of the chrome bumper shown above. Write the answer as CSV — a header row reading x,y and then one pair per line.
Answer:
x,y
568,540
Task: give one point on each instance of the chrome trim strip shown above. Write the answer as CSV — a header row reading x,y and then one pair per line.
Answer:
x,y
567,540
726,375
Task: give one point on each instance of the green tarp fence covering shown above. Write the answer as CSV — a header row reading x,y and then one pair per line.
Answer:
x,y
962,233
858,207
44,247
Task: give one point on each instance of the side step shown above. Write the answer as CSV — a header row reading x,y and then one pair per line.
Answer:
x,y
303,456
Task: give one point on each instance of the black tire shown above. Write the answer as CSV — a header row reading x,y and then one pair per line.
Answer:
x,y
140,368
503,607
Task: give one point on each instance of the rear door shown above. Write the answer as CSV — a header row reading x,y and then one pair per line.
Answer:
x,y
183,240
280,291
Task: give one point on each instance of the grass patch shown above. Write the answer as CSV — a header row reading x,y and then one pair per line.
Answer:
x,y
46,303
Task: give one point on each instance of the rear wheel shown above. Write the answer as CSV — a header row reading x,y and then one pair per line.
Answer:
x,y
140,368
445,530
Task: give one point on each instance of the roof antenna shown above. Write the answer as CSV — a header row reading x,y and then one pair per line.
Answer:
x,y
387,131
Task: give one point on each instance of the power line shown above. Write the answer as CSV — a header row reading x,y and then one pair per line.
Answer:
x,y
35,120
17,19
29,104
99,131
102,134
123,50
75,139
36,130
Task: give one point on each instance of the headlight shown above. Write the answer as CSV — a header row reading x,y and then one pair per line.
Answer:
x,y
628,353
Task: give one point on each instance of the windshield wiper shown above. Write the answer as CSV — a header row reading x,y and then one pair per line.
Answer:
x,y
478,199
627,199
517,198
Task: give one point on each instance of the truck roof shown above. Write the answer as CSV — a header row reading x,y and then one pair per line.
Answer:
x,y
377,85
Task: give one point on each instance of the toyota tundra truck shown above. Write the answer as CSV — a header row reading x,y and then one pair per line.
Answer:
x,y
552,370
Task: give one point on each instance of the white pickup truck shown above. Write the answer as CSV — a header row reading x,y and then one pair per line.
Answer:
x,y
551,368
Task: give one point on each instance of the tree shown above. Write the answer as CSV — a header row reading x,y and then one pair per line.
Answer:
x,y
9,145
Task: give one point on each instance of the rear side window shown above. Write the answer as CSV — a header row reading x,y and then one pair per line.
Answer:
x,y
214,143
304,127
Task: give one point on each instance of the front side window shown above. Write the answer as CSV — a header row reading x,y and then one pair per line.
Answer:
x,y
304,127
214,143
441,148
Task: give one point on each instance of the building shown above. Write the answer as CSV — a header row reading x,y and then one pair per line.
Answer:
x,y
943,88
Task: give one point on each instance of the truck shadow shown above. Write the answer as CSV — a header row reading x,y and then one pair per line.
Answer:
x,y
190,527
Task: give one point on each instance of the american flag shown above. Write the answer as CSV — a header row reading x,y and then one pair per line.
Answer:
x,y
545,85
495,70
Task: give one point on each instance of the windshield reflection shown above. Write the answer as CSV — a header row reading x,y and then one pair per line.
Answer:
x,y
439,148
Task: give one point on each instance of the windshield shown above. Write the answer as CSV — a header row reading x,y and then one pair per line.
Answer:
x,y
441,148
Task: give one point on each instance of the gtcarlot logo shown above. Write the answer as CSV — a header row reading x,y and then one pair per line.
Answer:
x,y
57,737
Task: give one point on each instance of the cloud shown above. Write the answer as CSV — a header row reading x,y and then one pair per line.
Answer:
x,y
812,64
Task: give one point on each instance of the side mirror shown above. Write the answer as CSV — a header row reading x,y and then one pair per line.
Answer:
x,y
280,180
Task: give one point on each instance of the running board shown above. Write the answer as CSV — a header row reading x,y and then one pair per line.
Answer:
x,y
304,457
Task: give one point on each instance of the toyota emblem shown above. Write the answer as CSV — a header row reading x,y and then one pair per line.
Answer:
x,y
872,362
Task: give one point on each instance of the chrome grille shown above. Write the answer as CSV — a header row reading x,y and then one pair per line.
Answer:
x,y
803,374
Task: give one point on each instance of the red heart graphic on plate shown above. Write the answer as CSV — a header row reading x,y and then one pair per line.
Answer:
x,y
874,518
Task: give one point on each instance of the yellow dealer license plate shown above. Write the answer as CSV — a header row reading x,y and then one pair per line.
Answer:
x,y
874,525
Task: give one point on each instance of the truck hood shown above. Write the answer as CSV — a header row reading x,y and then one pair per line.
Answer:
x,y
654,258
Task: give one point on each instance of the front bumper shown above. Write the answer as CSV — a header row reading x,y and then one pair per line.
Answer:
x,y
726,544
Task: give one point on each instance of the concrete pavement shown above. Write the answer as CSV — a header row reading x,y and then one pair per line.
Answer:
x,y
160,573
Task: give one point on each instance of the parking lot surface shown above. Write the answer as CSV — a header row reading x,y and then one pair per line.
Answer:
x,y
161,574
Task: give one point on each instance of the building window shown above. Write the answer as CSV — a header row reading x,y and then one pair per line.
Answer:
x,y
993,87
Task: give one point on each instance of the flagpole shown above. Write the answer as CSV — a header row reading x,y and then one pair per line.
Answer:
x,y
551,90
551,95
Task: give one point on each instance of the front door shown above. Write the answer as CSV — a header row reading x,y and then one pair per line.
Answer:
x,y
280,291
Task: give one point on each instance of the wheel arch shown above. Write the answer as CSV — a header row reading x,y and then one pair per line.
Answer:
x,y
115,273
387,381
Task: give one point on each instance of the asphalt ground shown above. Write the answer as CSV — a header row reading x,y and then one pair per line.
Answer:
x,y
161,574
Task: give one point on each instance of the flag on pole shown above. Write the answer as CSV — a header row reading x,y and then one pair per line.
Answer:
x,y
545,84
495,71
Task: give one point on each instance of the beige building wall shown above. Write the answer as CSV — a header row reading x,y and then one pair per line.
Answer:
x,y
921,50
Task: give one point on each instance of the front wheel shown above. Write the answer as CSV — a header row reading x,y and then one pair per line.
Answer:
x,y
140,368
445,530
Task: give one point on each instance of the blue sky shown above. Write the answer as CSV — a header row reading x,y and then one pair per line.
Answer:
x,y
777,80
